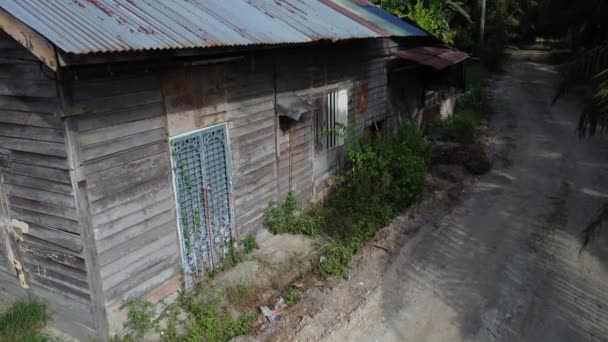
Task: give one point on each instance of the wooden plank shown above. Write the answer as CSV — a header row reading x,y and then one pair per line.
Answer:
x,y
38,264
83,213
34,133
12,104
144,282
131,200
30,39
86,123
11,289
45,220
125,246
101,135
62,304
39,160
122,144
146,255
133,231
113,86
41,195
111,228
23,71
34,146
123,177
36,250
50,278
125,157
37,183
56,237
28,88
115,103
167,266
45,208
261,126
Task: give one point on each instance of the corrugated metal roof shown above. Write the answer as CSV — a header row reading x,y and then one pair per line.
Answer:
x,y
86,26
437,57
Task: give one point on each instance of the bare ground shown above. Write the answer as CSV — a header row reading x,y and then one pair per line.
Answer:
x,y
495,260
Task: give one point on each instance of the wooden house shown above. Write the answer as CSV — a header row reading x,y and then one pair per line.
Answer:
x,y
139,139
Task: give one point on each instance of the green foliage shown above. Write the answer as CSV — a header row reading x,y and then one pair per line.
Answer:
x,y
285,217
388,174
208,320
250,243
23,322
293,296
462,127
432,19
140,318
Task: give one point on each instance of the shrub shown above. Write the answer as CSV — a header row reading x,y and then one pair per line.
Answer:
x,y
209,320
293,296
250,243
462,127
387,175
140,317
23,322
285,217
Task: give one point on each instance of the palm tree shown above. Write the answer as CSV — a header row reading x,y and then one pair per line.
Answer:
x,y
589,66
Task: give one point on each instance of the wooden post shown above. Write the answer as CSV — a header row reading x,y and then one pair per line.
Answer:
x,y
79,185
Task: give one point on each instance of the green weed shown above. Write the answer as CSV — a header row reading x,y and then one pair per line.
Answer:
x,y
462,127
286,217
140,318
23,322
293,296
250,243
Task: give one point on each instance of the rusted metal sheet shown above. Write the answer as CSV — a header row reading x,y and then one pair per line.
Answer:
x,y
87,26
437,57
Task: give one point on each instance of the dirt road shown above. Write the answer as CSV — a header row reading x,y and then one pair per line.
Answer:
x,y
505,264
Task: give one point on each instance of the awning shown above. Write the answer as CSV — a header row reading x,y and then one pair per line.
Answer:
x,y
293,106
436,57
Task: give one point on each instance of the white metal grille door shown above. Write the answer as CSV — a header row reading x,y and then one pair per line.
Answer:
x,y
201,172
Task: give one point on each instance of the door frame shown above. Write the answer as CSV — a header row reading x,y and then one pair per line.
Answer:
x,y
231,202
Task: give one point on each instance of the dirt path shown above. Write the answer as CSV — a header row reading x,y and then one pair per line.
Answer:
x,y
505,264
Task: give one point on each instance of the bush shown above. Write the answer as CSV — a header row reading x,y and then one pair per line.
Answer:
x,y
285,217
23,322
250,243
462,127
387,175
140,318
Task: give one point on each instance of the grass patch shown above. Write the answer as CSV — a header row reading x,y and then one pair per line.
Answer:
x,y
286,217
234,256
250,244
243,296
462,127
23,322
293,295
207,319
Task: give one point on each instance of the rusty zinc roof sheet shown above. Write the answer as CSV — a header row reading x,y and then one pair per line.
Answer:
x,y
87,26
437,57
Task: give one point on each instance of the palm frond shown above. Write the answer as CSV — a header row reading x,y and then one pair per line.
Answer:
x,y
594,227
459,7
589,67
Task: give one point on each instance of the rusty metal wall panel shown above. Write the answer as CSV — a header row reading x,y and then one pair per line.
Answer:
x,y
86,26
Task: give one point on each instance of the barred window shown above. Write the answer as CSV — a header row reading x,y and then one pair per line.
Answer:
x,y
333,113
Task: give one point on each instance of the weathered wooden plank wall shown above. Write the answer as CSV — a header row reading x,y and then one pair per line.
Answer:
x,y
39,191
125,158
